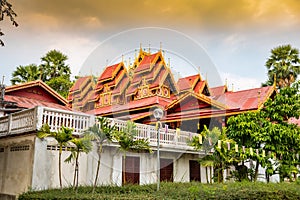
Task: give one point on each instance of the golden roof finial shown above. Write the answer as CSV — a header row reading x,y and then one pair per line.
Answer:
x,y
149,48
226,82
160,46
169,62
135,54
141,50
232,87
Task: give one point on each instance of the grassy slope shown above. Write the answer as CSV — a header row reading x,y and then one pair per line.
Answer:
x,y
244,190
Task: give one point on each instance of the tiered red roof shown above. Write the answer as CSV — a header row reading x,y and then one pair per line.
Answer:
x,y
140,90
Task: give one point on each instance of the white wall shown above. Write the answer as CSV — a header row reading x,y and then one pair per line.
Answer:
x,y
45,166
16,164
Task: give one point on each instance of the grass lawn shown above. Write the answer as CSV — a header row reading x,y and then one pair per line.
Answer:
x,y
194,190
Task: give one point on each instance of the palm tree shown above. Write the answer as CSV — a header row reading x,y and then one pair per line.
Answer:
x,y
127,142
283,66
220,159
101,132
63,137
25,74
53,64
82,144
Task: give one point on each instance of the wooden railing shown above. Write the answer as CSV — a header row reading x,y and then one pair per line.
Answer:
x,y
31,120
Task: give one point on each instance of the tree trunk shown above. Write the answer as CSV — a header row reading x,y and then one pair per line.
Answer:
x,y
77,171
98,166
59,166
124,168
256,171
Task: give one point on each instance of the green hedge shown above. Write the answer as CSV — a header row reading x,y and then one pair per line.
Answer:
x,y
244,190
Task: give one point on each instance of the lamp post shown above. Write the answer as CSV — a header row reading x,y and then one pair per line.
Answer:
x,y
158,113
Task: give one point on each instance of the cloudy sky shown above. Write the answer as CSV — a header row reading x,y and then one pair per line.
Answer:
x,y
235,35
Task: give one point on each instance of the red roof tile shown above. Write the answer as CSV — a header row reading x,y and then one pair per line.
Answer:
x,y
24,102
49,92
79,83
146,63
109,72
246,99
186,83
217,91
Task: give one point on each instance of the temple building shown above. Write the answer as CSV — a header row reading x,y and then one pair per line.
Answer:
x,y
120,93
133,92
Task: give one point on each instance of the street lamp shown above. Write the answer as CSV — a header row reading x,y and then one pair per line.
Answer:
x,y
158,113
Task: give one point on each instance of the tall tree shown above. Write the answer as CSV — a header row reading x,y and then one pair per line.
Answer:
x,y
269,129
53,71
249,129
63,138
6,10
25,74
101,132
283,64
53,65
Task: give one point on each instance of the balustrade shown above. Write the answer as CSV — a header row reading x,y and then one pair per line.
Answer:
x,y
32,119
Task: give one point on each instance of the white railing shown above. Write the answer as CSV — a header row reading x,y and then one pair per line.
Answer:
x,y
170,138
31,120
57,118
18,122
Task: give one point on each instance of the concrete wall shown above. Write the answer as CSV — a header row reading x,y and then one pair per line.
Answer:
x,y
45,167
16,158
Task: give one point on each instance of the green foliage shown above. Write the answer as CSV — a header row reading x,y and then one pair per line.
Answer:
x,y
63,137
53,71
127,141
284,65
60,84
101,132
269,128
82,144
193,190
25,74
221,158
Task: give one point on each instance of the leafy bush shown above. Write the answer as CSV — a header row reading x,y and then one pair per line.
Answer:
x,y
193,190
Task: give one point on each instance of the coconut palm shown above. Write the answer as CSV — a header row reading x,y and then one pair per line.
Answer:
x,y
53,65
283,64
127,142
82,144
25,74
63,138
101,132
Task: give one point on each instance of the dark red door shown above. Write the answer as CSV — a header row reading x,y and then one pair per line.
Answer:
x,y
166,170
195,174
132,170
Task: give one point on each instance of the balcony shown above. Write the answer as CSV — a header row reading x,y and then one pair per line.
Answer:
x,y
29,121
